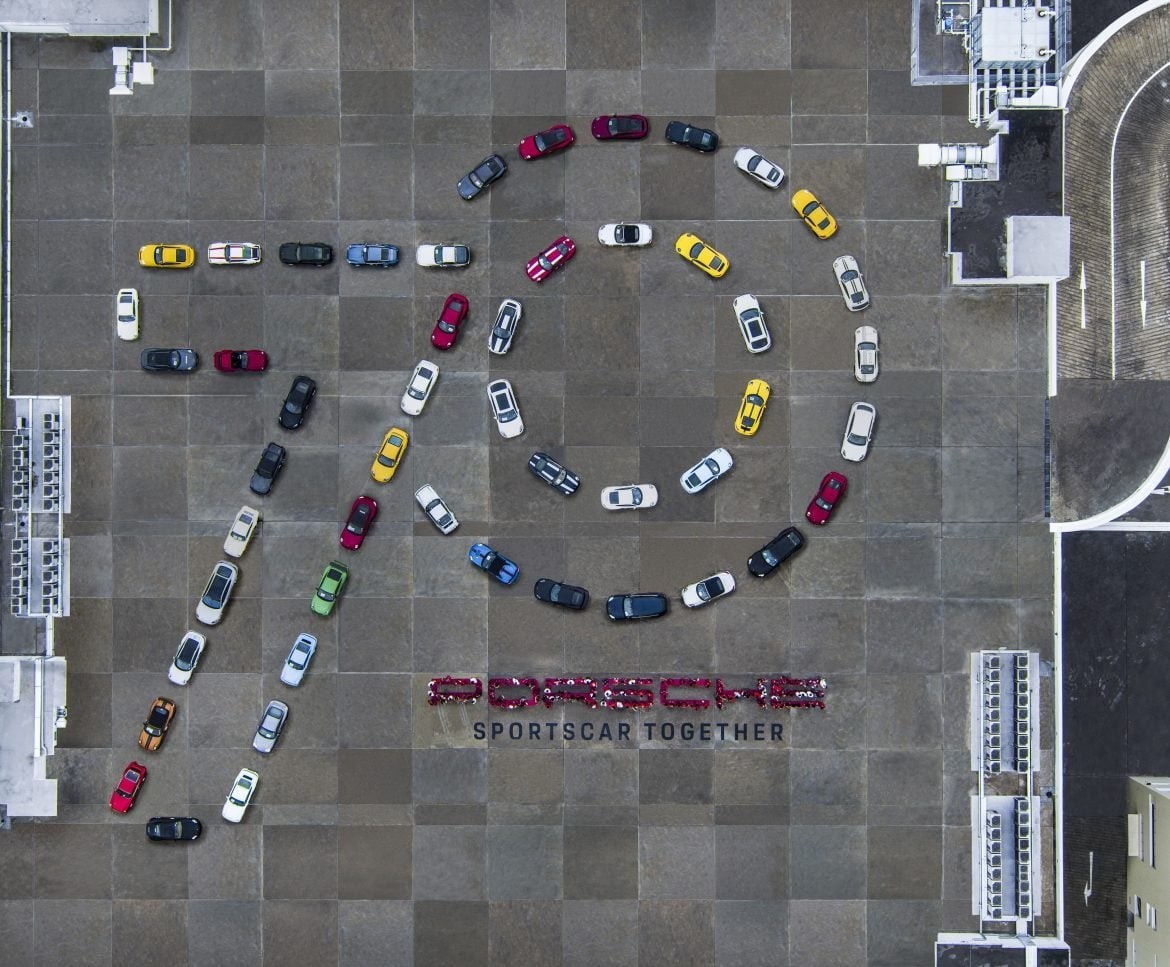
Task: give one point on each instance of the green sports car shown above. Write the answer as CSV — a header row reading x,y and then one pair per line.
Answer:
x,y
329,590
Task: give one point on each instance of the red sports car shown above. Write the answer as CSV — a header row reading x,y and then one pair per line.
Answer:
x,y
241,360
361,516
450,319
610,126
133,776
551,259
556,138
831,490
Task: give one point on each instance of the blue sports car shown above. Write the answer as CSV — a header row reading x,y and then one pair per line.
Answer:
x,y
498,566
373,254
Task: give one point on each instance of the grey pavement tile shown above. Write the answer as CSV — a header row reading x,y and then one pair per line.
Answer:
x,y
524,862
595,931
587,86
527,776
905,862
86,169
904,634
753,931
902,561
906,485
300,862
898,931
295,929
224,932
449,776
524,931
601,776
73,862
828,862
979,484
17,867
811,921
295,92
606,34
752,92
228,92
740,645
827,787
826,92
436,943
142,872
527,38
669,776
913,194
73,931
91,712
904,712
374,775
678,34
676,184
676,862
676,931
67,278
905,780
601,862
751,34
226,180
222,34
450,863
751,863
368,928
163,921
903,256
385,691
979,565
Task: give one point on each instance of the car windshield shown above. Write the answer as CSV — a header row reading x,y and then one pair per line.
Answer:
x,y
754,163
188,650
856,440
716,262
769,557
702,591
696,250
754,400
823,504
544,263
627,233
635,495
216,590
445,326
624,125
712,465
848,275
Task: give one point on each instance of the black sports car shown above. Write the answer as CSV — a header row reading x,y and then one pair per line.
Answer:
x,y
701,139
297,402
487,171
566,595
778,550
169,360
306,253
173,829
268,469
631,607
552,473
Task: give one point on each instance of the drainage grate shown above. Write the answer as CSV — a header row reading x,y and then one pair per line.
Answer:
x,y
1047,461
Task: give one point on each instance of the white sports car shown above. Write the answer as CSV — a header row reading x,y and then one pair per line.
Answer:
x,y
634,234
629,497
233,253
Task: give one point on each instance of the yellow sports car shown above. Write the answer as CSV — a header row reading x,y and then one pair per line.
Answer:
x,y
814,213
389,454
697,252
751,410
166,256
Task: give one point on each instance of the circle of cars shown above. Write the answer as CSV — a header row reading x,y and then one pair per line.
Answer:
x,y
505,410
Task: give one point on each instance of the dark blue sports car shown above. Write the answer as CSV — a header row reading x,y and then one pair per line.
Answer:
x,y
373,254
498,566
